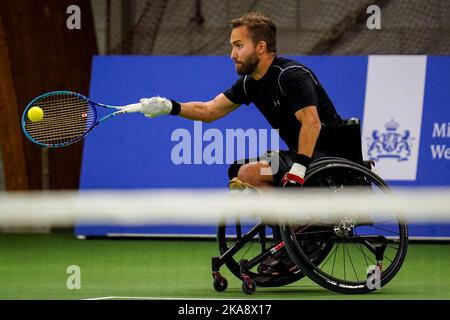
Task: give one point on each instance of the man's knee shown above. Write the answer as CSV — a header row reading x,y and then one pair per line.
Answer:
x,y
245,173
251,173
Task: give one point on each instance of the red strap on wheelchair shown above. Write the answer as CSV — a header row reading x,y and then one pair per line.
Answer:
x,y
292,177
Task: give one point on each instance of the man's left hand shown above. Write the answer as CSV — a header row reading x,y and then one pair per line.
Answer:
x,y
295,177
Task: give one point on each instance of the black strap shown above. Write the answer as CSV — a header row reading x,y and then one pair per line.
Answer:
x,y
176,108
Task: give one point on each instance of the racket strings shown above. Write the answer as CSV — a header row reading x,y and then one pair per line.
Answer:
x,y
50,135
54,123
67,117
62,108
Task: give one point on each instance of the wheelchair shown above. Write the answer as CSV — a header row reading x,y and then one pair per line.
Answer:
x,y
349,256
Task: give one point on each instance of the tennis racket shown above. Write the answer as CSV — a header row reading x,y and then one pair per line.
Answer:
x,y
67,118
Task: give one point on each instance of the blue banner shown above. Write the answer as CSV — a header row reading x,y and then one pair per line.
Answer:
x,y
171,152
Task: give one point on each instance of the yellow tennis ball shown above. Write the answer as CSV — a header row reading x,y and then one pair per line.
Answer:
x,y
35,114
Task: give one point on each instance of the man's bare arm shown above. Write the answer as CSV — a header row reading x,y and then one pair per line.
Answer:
x,y
309,133
310,130
207,111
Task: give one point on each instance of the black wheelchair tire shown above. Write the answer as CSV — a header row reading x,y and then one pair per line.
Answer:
x,y
312,270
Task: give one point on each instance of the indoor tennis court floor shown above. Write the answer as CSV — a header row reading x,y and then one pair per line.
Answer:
x,y
53,266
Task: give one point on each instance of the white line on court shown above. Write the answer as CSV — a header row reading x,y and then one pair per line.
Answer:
x,y
162,298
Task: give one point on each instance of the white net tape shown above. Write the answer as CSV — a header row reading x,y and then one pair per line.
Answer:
x,y
123,207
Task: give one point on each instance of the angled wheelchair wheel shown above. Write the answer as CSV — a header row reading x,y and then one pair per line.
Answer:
x,y
249,241
363,253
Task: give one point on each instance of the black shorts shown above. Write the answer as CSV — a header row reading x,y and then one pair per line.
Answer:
x,y
343,140
280,161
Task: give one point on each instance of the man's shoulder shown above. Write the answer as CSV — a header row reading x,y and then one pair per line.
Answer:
x,y
285,63
289,69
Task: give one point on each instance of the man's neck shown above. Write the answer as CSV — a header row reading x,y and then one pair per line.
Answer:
x,y
263,66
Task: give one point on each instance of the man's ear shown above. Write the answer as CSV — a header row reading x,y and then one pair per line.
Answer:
x,y
261,47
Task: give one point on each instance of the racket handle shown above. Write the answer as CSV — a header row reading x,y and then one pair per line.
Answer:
x,y
135,107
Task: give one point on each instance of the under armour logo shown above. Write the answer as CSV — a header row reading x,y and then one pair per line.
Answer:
x,y
276,103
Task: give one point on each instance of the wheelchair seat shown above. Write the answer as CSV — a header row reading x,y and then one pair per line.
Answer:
x,y
343,140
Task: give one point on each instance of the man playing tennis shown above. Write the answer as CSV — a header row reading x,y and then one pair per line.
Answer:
x,y
287,93
289,96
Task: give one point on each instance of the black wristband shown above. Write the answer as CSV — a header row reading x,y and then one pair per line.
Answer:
x,y
176,108
303,160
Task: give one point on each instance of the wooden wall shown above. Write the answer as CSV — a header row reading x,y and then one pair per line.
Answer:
x,y
38,53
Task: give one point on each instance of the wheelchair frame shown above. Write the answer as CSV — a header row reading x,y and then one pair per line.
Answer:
x,y
311,253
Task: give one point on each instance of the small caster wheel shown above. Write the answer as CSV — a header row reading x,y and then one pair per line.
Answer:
x,y
248,285
248,288
220,283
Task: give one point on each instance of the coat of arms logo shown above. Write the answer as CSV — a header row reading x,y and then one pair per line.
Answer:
x,y
390,144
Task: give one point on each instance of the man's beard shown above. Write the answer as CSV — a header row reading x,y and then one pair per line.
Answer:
x,y
249,66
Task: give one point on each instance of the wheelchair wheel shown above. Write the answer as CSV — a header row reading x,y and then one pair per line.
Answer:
x,y
363,254
246,241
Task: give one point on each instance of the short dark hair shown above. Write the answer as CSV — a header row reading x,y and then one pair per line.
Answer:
x,y
260,28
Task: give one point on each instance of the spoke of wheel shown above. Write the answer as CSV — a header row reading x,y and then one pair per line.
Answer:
x,y
386,221
248,246
343,253
329,256
361,248
313,232
246,251
351,262
388,246
383,229
334,259
385,257
392,247
366,256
